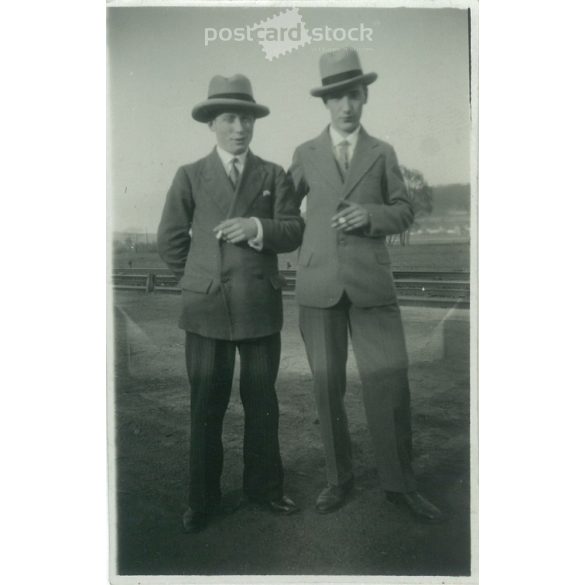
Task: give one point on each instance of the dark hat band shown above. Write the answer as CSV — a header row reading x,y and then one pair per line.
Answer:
x,y
352,73
232,96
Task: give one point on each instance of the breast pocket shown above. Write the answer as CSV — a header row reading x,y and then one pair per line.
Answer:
x,y
263,205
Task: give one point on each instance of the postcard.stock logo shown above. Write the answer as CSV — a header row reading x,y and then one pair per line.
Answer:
x,y
286,32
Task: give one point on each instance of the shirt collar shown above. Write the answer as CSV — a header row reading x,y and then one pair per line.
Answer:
x,y
227,157
336,137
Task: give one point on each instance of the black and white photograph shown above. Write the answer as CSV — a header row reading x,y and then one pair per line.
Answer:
x,y
292,292
292,257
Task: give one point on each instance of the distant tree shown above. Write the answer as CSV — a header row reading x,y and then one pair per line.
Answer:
x,y
421,196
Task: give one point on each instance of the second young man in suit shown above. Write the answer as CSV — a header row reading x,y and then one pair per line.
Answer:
x,y
225,219
355,198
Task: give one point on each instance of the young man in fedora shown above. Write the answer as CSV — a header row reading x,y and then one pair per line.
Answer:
x,y
355,197
225,219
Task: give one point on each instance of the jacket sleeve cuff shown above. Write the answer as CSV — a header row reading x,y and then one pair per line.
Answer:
x,y
258,242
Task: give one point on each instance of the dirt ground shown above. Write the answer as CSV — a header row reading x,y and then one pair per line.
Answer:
x,y
368,536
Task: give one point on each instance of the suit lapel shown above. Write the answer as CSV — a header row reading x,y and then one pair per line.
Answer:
x,y
249,186
324,160
218,184
365,154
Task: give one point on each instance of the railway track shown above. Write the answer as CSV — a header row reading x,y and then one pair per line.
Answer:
x,y
414,287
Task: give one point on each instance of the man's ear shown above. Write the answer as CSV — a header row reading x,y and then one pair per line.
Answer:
x,y
365,94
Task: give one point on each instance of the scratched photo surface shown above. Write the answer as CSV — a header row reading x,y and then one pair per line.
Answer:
x,y
160,64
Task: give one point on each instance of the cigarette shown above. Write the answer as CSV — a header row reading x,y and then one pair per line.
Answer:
x,y
219,235
342,220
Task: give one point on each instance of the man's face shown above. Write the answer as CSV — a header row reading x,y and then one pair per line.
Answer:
x,y
345,108
233,130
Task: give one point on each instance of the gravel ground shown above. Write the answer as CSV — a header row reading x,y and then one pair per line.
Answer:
x,y
368,536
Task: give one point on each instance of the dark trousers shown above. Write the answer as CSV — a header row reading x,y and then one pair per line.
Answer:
x,y
380,351
210,367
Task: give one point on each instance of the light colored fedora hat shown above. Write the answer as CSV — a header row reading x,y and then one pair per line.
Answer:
x,y
227,93
340,69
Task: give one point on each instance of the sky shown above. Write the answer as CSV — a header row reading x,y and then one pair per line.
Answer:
x,y
159,67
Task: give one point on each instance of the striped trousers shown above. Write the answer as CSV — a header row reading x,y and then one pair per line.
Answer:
x,y
379,346
210,368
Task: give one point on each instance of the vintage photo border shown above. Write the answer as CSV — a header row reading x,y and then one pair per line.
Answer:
x,y
116,579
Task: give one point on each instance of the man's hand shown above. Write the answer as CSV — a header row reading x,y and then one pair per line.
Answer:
x,y
351,217
236,230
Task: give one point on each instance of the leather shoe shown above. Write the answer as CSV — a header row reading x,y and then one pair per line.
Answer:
x,y
284,506
194,522
333,497
417,505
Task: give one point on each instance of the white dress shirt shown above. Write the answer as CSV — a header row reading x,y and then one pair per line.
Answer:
x,y
337,139
226,160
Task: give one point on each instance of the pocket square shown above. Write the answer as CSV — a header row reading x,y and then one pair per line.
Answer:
x,y
266,193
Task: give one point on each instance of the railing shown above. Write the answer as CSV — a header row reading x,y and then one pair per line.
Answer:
x,y
414,287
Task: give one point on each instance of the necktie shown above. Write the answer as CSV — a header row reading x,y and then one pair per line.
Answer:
x,y
234,172
343,157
